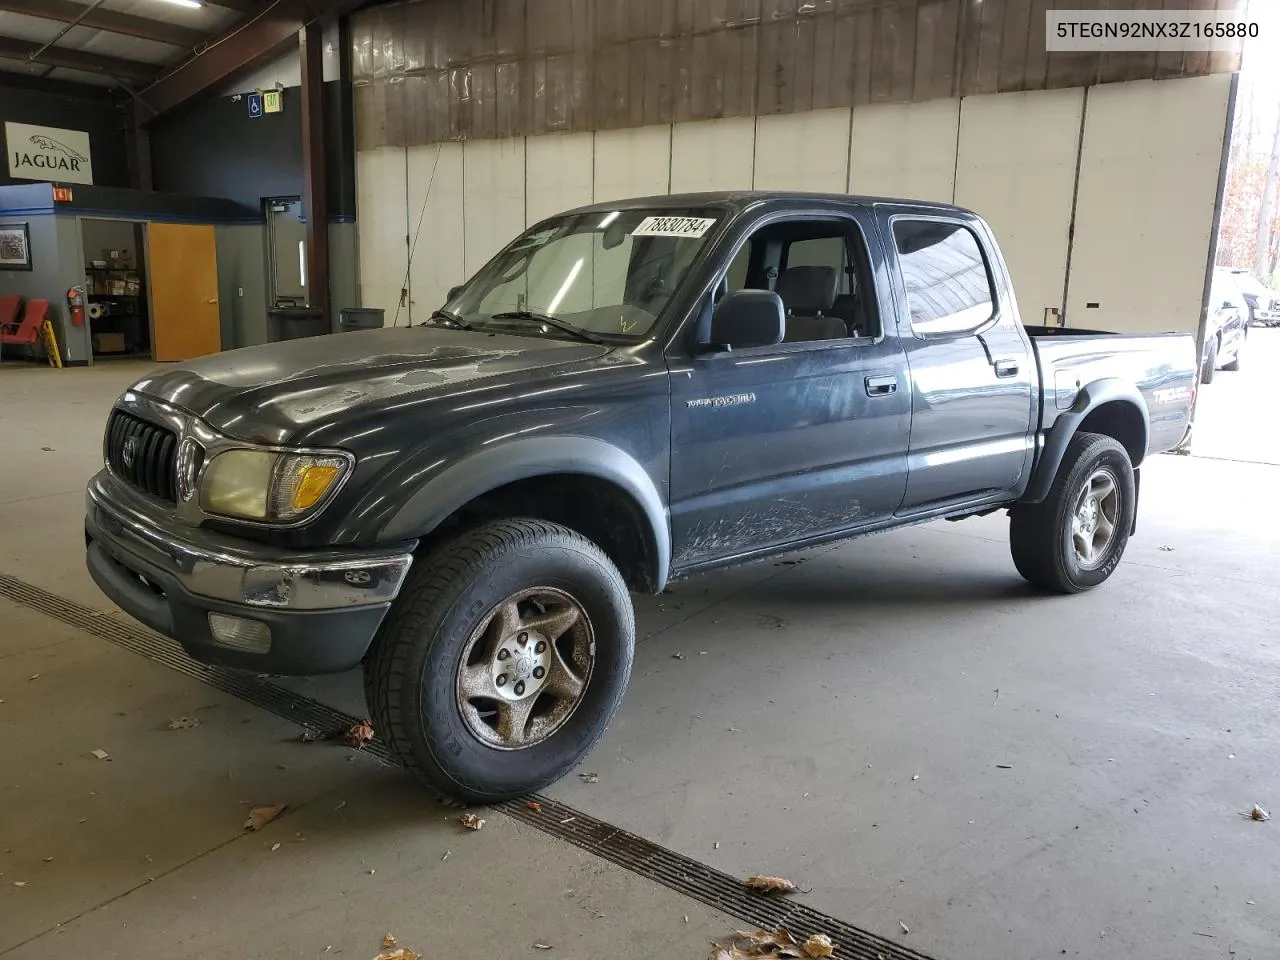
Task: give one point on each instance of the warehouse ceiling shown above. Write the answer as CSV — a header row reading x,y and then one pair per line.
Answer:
x,y
111,43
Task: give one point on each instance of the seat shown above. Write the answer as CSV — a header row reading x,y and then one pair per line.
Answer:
x,y
27,330
808,294
846,308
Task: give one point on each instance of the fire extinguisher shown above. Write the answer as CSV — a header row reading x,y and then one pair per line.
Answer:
x,y
75,305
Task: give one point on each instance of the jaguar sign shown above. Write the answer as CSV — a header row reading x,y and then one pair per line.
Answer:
x,y
48,153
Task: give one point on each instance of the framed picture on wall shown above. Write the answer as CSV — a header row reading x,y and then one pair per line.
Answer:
x,y
15,247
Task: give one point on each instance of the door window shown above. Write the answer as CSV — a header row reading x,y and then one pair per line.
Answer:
x,y
946,277
813,266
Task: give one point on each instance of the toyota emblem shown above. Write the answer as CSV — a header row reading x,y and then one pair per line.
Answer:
x,y
129,452
358,578
189,456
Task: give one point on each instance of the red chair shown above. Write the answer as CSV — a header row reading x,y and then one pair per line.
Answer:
x,y
10,307
27,330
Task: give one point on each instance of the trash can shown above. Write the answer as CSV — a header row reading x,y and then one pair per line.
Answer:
x,y
359,318
294,323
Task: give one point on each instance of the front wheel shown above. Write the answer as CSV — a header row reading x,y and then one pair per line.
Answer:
x,y
1075,538
503,661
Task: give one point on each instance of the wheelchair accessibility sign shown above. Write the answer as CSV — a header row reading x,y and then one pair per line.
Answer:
x,y
255,104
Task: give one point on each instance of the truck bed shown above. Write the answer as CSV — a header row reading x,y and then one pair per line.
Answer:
x,y
1163,366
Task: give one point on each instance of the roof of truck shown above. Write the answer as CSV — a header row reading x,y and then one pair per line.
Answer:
x,y
741,199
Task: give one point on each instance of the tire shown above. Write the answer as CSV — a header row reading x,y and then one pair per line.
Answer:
x,y
1041,535
1209,366
414,672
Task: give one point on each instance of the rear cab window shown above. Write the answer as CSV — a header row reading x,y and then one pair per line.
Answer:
x,y
946,277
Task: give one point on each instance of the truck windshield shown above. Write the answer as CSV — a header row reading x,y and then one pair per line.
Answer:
x,y
609,274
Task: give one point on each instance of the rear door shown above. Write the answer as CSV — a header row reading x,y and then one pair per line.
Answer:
x,y
778,444
972,372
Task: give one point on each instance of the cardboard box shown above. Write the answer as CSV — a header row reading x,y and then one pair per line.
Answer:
x,y
108,343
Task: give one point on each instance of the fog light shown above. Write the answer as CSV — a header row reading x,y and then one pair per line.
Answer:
x,y
250,636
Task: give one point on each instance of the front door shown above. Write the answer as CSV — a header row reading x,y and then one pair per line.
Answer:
x,y
182,269
777,444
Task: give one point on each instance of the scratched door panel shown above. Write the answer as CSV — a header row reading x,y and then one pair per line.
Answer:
x,y
773,445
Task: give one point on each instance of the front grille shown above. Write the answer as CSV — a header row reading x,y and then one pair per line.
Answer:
x,y
151,463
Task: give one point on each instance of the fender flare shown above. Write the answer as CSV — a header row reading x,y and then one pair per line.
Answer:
x,y
481,472
1090,397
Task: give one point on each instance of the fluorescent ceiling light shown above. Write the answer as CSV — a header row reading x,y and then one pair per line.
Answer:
x,y
189,4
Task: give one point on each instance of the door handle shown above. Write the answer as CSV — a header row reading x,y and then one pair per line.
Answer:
x,y
1006,368
881,386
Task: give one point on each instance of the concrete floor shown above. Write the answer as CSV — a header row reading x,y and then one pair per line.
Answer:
x,y
1136,722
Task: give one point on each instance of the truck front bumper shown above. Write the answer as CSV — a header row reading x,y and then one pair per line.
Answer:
x,y
233,602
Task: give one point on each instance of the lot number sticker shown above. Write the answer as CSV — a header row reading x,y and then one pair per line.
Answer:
x,y
673,227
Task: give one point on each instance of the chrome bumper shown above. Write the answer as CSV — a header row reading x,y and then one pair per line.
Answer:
x,y
238,571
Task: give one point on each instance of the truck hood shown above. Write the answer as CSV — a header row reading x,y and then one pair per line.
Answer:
x,y
271,393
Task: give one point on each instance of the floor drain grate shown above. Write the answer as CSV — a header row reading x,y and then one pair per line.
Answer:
x,y
700,882
642,857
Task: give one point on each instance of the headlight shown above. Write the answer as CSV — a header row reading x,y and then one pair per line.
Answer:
x,y
269,486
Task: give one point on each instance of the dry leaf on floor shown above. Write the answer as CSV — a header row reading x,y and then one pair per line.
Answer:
x,y
542,946
535,806
1257,813
275,846
819,945
309,735
677,656
905,928
101,754
19,883
589,777
389,940
471,821
764,884
763,943
359,734
260,816
400,953
184,723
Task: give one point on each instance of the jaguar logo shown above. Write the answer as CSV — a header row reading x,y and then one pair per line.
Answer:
x,y
129,452
48,143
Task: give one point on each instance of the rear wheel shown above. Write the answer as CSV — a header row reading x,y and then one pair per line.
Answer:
x,y
1209,366
1075,538
503,661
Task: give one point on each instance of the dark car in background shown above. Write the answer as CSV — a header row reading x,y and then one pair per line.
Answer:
x,y
1226,326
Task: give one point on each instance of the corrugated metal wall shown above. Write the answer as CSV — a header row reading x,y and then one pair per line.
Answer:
x,y
436,70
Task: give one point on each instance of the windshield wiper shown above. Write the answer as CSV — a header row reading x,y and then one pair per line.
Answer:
x,y
550,321
449,319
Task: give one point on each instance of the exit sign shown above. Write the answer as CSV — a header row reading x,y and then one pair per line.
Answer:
x,y
272,101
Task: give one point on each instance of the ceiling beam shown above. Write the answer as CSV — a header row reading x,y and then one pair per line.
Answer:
x,y
66,11
254,41
112,67
240,6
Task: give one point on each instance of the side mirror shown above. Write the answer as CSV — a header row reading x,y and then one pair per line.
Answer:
x,y
748,318
453,292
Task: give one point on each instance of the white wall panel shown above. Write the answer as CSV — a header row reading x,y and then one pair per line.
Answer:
x,y
1017,169
1144,214
803,151
558,174
632,163
712,154
494,183
436,225
904,150
382,215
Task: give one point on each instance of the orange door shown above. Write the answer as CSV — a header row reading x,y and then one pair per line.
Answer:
x,y
182,269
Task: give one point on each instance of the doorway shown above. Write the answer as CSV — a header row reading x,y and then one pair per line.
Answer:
x,y
115,288
287,244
